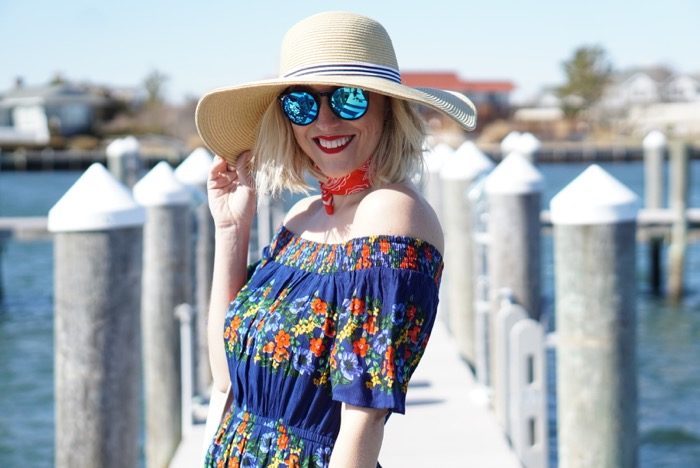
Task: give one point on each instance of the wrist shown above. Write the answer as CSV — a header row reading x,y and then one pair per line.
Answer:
x,y
233,231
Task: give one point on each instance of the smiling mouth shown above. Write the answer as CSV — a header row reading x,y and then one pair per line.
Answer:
x,y
332,145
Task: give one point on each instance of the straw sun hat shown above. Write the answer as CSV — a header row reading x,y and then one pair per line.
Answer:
x,y
334,49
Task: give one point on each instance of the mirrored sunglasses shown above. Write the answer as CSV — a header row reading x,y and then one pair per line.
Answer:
x,y
301,106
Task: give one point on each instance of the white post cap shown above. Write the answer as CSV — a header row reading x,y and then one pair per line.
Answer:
x,y
510,143
97,201
514,175
194,170
654,140
122,146
594,197
131,144
160,187
528,143
466,163
436,157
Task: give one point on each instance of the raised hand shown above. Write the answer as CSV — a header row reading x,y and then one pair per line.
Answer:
x,y
231,192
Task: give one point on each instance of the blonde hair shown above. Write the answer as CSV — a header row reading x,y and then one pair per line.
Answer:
x,y
280,164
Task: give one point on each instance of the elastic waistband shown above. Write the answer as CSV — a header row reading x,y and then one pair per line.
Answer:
x,y
259,421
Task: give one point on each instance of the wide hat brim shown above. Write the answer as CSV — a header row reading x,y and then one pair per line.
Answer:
x,y
333,49
228,118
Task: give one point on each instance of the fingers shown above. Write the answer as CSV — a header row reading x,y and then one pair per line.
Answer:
x,y
223,174
244,169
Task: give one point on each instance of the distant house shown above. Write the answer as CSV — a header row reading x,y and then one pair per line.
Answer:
x,y
32,114
682,88
638,88
491,97
655,98
646,86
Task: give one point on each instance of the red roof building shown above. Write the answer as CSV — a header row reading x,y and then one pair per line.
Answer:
x,y
491,97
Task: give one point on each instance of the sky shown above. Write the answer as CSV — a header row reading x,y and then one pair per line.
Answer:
x,y
204,44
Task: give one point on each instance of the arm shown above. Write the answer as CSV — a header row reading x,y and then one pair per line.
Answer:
x,y
359,439
232,204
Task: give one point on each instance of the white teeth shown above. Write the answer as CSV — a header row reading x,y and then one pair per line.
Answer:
x,y
332,144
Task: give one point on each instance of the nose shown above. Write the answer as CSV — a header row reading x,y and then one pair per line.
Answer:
x,y
326,117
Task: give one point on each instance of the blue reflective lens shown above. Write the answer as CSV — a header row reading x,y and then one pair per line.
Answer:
x,y
349,103
301,107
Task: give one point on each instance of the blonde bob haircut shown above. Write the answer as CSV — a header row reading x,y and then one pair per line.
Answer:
x,y
280,164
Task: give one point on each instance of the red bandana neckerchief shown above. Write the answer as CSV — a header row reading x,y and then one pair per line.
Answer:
x,y
356,181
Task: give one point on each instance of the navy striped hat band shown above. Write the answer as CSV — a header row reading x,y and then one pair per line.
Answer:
x,y
347,69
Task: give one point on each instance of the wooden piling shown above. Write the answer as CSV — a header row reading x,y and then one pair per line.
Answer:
x,y
98,256
678,202
124,160
166,284
654,145
432,190
594,258
513,190
430,184
193,172
458,173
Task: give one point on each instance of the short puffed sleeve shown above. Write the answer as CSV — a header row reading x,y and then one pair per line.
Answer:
x,y
382,329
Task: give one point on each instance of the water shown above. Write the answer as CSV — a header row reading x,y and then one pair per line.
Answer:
x,y
668,337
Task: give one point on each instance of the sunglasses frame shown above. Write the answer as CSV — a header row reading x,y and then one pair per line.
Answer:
x,y
317,98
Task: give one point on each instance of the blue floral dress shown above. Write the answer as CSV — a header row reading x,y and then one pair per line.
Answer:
x,y
317,325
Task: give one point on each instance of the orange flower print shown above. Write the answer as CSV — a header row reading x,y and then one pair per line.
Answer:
x,y
319,307
389,362
269,347
282,339
390,369
363,263
370,325
357,306
365,251
281,354
360,347
293,460
283,439
236,323
384,246
409,259
316,346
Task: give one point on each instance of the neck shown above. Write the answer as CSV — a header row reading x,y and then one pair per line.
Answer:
x,y
355,182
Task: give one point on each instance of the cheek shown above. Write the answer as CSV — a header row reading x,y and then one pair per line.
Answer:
x,y
299,133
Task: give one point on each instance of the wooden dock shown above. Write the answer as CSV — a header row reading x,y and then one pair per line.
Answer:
x,y
24,228
447,421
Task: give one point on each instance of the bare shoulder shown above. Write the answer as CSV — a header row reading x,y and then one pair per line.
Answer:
x,y
299,211
400,210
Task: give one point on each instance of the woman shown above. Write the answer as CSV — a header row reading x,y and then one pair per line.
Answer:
x,y
320,338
